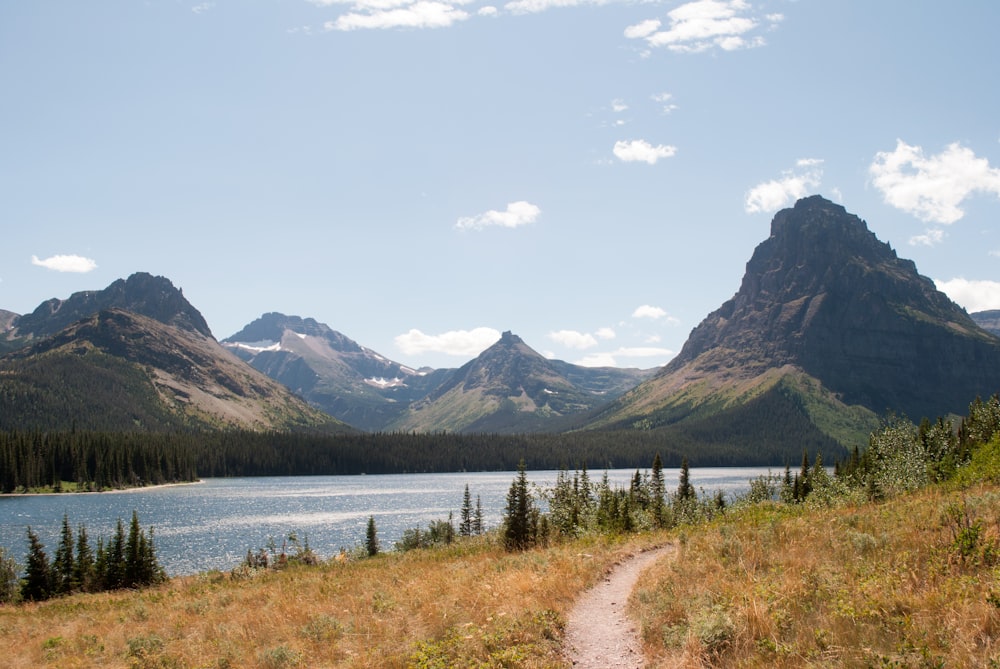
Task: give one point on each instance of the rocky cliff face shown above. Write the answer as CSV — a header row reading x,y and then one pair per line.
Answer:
x,y
825,301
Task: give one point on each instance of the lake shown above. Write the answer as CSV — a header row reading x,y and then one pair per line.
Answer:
x,y
211,524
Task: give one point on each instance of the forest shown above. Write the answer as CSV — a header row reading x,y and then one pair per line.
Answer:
x,y
87,460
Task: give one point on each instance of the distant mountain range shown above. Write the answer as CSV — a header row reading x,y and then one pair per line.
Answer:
x,y
829,330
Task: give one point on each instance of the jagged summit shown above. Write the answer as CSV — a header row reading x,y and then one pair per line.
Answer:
x,y
142,293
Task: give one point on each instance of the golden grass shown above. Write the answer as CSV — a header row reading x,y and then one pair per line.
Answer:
x,y
471,604
871,586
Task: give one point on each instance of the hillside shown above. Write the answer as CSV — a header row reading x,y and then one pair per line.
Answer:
x,y
833,322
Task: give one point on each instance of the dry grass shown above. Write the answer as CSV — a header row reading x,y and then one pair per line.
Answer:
x,y
471,604
909,583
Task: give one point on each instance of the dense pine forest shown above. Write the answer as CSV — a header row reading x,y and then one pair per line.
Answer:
x,y
81,460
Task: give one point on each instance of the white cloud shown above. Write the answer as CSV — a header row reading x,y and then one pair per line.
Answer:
x,y
70,263
573,339
932,188
420,14
203,7
648,311
488,10
611,359
777,193
642,29
705,24
618,106
456,342
517,214
641,150
972,295
605,333
930,238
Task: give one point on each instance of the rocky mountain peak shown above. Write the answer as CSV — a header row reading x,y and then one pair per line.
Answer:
x,y
142,293
822,293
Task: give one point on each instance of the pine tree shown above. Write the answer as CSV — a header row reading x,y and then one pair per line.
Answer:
x,y
83,567
465,524
685,490
477,519
657,490
520,529
62,566
371,538
37,584
115,559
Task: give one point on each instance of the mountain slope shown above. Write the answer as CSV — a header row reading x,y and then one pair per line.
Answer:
x,y
331,371
118,370
511,388
830,314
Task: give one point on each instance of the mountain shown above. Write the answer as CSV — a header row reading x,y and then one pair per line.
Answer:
x,y
331,371
147,362
510,387
988,320
141,293
829,324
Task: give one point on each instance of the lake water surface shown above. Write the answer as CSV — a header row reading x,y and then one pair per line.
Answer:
x,y
211,524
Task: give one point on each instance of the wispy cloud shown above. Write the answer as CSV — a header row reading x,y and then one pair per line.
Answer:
x,y
605,333
573,339
932,188
517,214
639,150
970,294
777,193
665,102
65,263
706,24
203,7
456,342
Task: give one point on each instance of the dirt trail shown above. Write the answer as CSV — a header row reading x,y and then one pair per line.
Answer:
x,y
598,633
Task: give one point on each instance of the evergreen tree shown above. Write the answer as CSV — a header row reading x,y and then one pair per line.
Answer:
x,y
465,524
115,559
477,519
685,490
371,538
657,490
520,518
83,567
37,584
62,566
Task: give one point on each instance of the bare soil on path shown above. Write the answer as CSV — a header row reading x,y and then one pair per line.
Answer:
x,y
598,633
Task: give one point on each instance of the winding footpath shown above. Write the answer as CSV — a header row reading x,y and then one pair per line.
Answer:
x,y
598,633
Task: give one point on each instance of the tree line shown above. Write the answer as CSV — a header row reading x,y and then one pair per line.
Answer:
x,y
100,460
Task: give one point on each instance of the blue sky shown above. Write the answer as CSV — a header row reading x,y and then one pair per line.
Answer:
x,y
424,174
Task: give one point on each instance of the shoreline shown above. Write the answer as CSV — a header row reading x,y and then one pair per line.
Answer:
x,y
100,492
